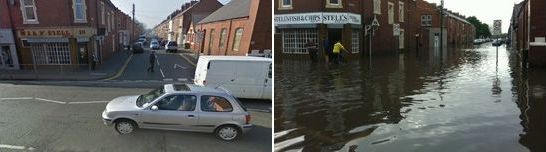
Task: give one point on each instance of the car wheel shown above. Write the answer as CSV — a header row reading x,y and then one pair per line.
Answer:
x,y
227,133
125,126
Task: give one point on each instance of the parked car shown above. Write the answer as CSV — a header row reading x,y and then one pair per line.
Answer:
x,y
138,47
250,79
497,42
183,107
154,45
171,46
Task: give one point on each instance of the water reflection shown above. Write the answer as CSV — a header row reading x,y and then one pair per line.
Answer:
x,y
410,102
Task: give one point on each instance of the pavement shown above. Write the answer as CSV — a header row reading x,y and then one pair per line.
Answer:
x,y
68,118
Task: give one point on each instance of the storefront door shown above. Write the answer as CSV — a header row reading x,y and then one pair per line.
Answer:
x,y
334,35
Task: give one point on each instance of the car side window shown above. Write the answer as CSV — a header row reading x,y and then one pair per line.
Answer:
x,y
177,103
215,104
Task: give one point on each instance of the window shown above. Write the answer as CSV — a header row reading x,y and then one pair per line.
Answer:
x,y
80,15
285,4
112,16
51,53
177,103
401,39
391,13
333,4
355,41
377,6
211,39
215,104
237,39
294,40
223,36
28,8
401,11
102,14
426,20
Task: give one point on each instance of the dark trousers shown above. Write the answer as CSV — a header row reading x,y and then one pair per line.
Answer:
x,y
313,54
336,57
151,68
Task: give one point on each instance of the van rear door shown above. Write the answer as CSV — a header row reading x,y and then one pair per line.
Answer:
x,y
201,71
267,82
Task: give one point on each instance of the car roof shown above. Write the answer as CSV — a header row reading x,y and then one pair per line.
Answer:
x,y
235,58
191,88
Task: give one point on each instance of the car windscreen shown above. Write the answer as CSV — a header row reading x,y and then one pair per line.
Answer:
x,y
149,97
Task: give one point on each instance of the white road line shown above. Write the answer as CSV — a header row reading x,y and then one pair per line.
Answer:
x,y
168,80
161,72
17,147
182,79
20,98
87,102
47,100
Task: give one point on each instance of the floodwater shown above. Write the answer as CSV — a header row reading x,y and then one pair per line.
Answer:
x,y
460,100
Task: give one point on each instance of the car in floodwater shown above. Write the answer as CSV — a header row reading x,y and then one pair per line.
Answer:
x,y
180,107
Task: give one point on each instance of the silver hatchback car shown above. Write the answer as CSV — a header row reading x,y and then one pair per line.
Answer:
x,y
184,107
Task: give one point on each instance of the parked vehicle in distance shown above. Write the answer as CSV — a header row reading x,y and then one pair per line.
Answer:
x,y
243,76
497,42
154,45
142,40
138,47
171,46
182,107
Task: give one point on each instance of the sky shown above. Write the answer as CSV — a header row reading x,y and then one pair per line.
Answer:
x,y
485,10
152,12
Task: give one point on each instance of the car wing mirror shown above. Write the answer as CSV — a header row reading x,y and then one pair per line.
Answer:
x,y
154,108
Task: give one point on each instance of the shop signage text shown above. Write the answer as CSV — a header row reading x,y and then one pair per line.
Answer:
x,y
317,18
60,32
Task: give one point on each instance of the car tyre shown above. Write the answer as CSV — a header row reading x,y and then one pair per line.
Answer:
x,y
125,126
228,132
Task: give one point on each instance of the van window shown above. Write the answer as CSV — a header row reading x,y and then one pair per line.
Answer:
x,y
215,104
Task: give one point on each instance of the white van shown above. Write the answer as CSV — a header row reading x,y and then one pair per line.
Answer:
x,y
243,76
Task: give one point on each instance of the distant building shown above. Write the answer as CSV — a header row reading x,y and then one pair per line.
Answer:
x,y
66,32
240,27
528,28
497,27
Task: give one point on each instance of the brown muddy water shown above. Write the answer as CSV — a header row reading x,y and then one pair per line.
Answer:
x,y
460,100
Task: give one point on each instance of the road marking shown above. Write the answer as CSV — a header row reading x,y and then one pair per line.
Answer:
x,y
176,65
47,100
189,61
168,80
20,98
122,69
163,75
17,147
88,102
182,79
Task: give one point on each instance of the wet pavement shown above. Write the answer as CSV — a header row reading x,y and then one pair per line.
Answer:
x,y
460,100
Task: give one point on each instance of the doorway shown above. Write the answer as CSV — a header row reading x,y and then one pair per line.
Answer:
x,y
334,35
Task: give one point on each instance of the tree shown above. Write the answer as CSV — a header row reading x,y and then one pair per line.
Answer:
x,y
482,29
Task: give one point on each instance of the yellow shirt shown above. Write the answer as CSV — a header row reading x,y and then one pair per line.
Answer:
x,y
338,47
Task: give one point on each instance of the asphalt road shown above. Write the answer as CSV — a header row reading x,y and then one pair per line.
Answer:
x,y
61,118
168,67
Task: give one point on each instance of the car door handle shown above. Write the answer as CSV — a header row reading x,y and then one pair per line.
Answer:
x,y
191,116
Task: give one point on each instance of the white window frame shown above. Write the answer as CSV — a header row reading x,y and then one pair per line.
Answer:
x,y
282,5
377,7
223,38
401,39
102,14
334,5
237,39
294,40
355,41
51,53
426,20
401,11
75,10
390,8
23,11
112,21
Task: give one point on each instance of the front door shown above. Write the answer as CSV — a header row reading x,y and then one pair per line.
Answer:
x,y
334,36
267,84
174,112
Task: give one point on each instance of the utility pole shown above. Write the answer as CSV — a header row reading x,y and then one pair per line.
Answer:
x,y
133,25
441,27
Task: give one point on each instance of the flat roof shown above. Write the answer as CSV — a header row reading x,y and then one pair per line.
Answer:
x,y
235,58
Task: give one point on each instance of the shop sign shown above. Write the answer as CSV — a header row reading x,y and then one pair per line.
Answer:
x,y
6,36
317,18
56,32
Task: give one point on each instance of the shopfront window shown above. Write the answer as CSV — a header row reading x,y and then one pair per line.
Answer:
x,y
51,53
29,12
355,41
294,40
